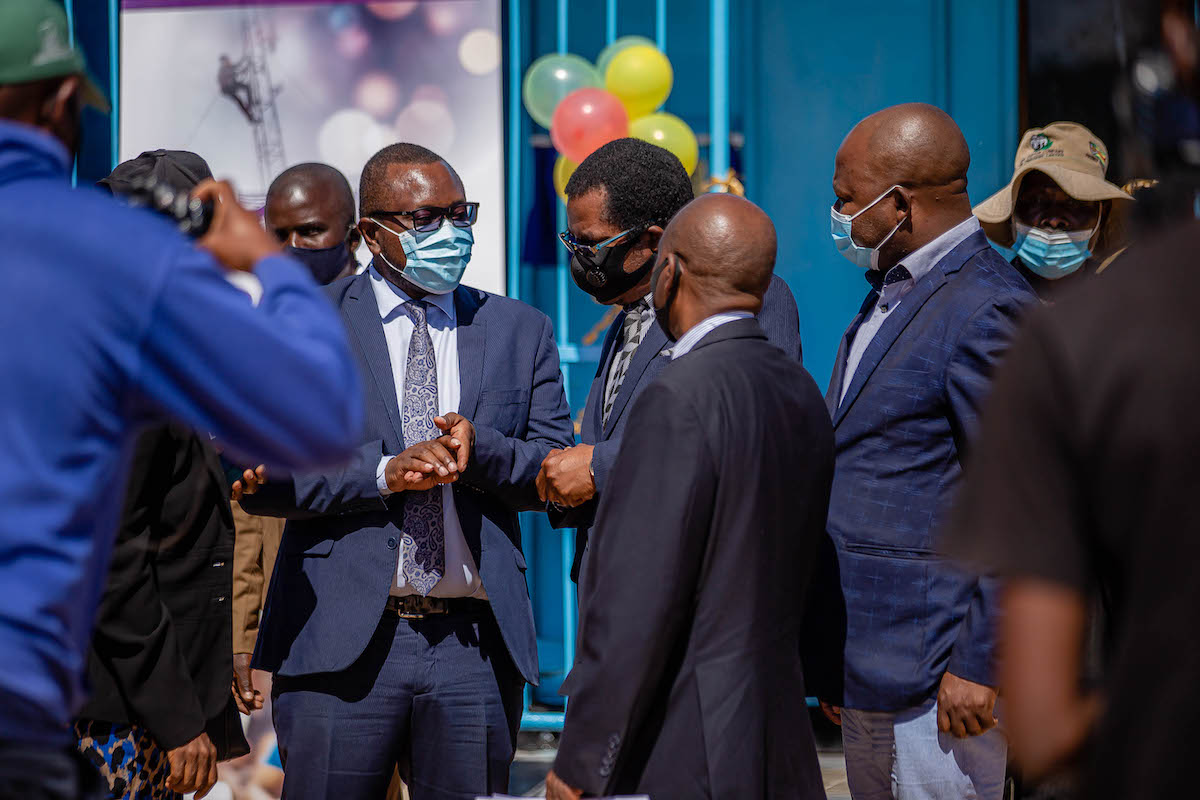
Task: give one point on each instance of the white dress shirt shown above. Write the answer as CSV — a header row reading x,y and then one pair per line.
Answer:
x,y
461,576
704,328
918,263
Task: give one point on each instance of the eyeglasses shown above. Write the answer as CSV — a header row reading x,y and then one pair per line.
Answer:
x,y
430,218
597,254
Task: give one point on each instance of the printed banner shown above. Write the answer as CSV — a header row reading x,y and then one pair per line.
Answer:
x,y
257,87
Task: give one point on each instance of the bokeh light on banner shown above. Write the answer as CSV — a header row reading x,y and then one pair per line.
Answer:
x,y
479,52
352,42
351,136
446,18
428,123
393,10
377,94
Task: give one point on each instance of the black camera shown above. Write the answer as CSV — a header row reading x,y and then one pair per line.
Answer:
x,y
192,216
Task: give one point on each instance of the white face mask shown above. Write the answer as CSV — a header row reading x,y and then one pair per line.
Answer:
x,y
841,229
435,260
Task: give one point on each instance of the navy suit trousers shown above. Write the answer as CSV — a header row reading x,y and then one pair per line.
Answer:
x,y
418,698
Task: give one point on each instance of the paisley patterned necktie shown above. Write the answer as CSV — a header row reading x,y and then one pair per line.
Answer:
x,y
423,545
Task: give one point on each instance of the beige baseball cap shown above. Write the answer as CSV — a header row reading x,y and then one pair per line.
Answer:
x,y
1070,154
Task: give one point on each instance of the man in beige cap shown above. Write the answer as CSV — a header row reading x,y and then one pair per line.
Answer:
x,y
1058,216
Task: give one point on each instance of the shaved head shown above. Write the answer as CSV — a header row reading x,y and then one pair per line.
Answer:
x,y
311,185
726,242
917,148
717,254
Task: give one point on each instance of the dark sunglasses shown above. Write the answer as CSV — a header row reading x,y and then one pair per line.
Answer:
x,y
594,255
429,218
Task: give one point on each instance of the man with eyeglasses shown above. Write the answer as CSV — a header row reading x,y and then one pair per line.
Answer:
x,y
398,623
619,200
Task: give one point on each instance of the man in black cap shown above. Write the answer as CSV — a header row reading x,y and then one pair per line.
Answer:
x,y
161,713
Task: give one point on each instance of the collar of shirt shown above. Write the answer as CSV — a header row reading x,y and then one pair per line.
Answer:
x,y
706,326
919,262
390,297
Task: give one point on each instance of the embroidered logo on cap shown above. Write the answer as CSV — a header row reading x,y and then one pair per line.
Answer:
x,y
1040,142
1097,155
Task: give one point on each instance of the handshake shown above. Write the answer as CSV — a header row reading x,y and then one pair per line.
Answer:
x,y
435,462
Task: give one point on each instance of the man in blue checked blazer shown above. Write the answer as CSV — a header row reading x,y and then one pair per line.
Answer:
x,y
902,647
398,622
619,200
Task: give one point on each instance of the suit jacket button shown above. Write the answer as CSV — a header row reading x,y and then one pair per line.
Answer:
x,y
392,543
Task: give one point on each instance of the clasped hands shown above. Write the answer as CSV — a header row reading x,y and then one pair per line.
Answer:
x,y
437,461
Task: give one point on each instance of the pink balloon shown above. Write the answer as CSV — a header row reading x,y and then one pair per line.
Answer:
x,y
585,120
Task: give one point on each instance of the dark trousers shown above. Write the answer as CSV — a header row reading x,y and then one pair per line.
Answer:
x,y
438,697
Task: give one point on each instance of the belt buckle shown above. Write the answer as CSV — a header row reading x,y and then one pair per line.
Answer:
x,y
421,607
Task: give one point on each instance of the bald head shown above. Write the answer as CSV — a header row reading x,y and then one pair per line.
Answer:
x,y
310,205
726,243
918,148
913,144
716,255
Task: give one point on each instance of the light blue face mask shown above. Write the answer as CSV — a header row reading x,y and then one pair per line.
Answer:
x,y
434,261
840,228
1052,254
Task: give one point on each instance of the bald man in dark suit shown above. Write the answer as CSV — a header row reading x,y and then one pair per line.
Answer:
x,y
688,682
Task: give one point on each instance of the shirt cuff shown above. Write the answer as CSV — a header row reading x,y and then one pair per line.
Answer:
x,y
381,476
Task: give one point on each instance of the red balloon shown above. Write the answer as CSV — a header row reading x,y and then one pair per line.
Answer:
x,y
585,120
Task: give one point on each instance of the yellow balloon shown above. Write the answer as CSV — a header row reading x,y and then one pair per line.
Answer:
x,y
641,78
670,132
563,169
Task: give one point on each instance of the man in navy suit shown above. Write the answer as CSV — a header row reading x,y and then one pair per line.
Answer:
x,y
619,200
913,689
398,623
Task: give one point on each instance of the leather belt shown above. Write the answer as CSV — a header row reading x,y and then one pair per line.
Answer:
x,y
414,606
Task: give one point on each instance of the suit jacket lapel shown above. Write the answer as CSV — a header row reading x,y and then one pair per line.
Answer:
x,y
593,410
834,393
472,336
362,312
910,304
652,344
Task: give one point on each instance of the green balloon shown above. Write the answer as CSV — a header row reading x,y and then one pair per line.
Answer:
x,y
551,78
606,55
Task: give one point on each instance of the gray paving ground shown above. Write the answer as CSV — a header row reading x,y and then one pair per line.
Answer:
x,y
533,762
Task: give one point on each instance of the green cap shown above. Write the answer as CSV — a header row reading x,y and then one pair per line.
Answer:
x,y
34,44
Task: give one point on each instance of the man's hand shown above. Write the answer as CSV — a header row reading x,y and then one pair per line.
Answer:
x,y
193,767
249,483
965,708
832,713
556,789
236,238
460,436
421,467
244,694
566,477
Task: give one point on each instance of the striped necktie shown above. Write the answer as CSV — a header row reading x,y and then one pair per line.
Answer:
x,y
633,330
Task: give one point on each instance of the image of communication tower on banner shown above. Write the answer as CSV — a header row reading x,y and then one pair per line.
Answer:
x,y
257,87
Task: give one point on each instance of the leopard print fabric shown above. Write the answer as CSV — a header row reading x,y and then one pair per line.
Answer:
x,y
131,764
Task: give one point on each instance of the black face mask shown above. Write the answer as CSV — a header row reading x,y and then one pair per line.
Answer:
x,y
603,276
325,263
663,315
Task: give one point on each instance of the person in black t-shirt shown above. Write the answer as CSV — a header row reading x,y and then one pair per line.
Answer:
x,y
1085,479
